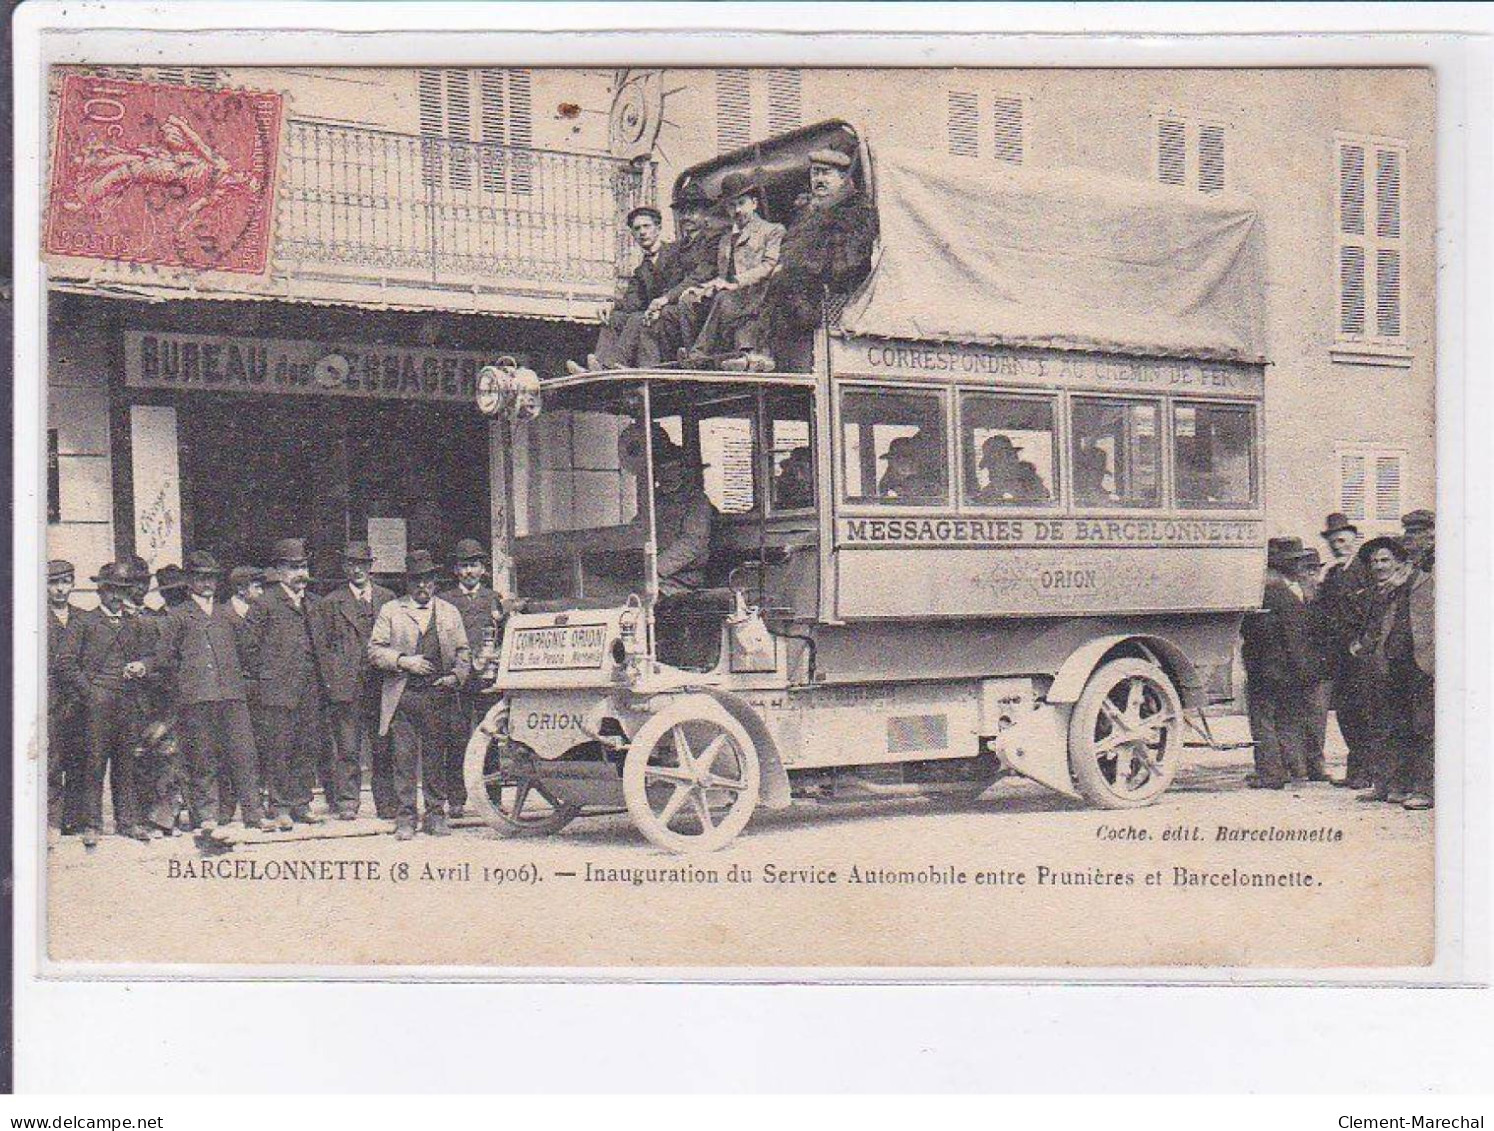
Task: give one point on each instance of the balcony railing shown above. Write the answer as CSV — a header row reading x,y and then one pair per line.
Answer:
x,y
376,207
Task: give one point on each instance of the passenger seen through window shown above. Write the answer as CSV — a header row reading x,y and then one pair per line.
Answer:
x,y
1116,453
894,447
1007,450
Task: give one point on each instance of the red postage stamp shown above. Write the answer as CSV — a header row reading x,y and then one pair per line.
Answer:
x,y
169,175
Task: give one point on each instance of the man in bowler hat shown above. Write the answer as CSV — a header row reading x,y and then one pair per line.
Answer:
x,y
197,652
746,257
64,731
420,644
483,613
282,664
340,628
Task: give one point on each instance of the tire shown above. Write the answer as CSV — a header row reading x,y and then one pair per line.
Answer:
x,y
691,778
503,787
1125,697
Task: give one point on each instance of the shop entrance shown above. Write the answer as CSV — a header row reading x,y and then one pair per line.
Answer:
x,y
256,469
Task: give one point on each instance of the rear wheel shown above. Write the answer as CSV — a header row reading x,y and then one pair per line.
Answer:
x,y
691,778
1126,735
504,786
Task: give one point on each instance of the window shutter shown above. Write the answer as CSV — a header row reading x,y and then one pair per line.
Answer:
x,y
521,126
1388,194
1172,151
1211,158
733,108
964,124
1351,486
1351,289
1008,139
204,77
459,124
1351,190
432,119
1388,293
1387,488
175,76
785,100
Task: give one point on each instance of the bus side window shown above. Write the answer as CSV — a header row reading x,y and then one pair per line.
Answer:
x,y
894,450
1008,450
1116,453
791,449
728,449
1213,451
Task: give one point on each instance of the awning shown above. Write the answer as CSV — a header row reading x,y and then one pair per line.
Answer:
x,y
994,254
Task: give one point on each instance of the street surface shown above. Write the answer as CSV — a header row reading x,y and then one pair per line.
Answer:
x,y
1355,886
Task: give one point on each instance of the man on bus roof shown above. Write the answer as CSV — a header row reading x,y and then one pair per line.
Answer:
x,y
746,258
827,249
622,335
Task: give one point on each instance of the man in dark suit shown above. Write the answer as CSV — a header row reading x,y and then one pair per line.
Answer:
x,y
340,626
618,343
1342,598
102,652
282,665
64,737
1278,655
197,654
482,615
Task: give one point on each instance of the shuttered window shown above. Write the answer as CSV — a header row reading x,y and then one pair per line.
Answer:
x,y
1172,151
1370,240
491,105
964,123
1009,144
785,100
733,108
1189,152
205,77
1371,486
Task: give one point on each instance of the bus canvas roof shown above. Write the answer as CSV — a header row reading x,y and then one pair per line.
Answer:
x,y
986,254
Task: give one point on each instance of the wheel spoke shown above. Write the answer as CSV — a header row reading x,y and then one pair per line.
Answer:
x,y
668,773
1135,691
676,802
1116,738
521,795
1113,714
550,798
716,781
703,811
707,759
682,749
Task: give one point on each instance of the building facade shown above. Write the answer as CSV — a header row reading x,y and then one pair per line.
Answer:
x,y
428,221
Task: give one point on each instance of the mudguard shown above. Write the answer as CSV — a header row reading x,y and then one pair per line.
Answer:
x,y
1068,683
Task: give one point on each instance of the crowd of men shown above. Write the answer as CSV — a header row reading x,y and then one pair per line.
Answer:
x,y
1359,639
246,700
737,291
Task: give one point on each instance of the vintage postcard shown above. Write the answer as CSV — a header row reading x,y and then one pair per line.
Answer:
x,y
516,518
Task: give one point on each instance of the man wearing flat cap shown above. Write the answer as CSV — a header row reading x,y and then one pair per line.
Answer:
x,y
483,613
340,628
281,659
197,654
827,250
746,257
621,335
420,644
64,718
1419,534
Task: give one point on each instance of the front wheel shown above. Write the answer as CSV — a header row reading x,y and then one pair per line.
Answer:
x,y
1125,735
503,784
691,777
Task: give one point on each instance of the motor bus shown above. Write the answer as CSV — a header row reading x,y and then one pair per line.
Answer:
x,y
1076,363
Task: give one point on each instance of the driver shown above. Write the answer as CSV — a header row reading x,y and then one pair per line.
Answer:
x,y
682,521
